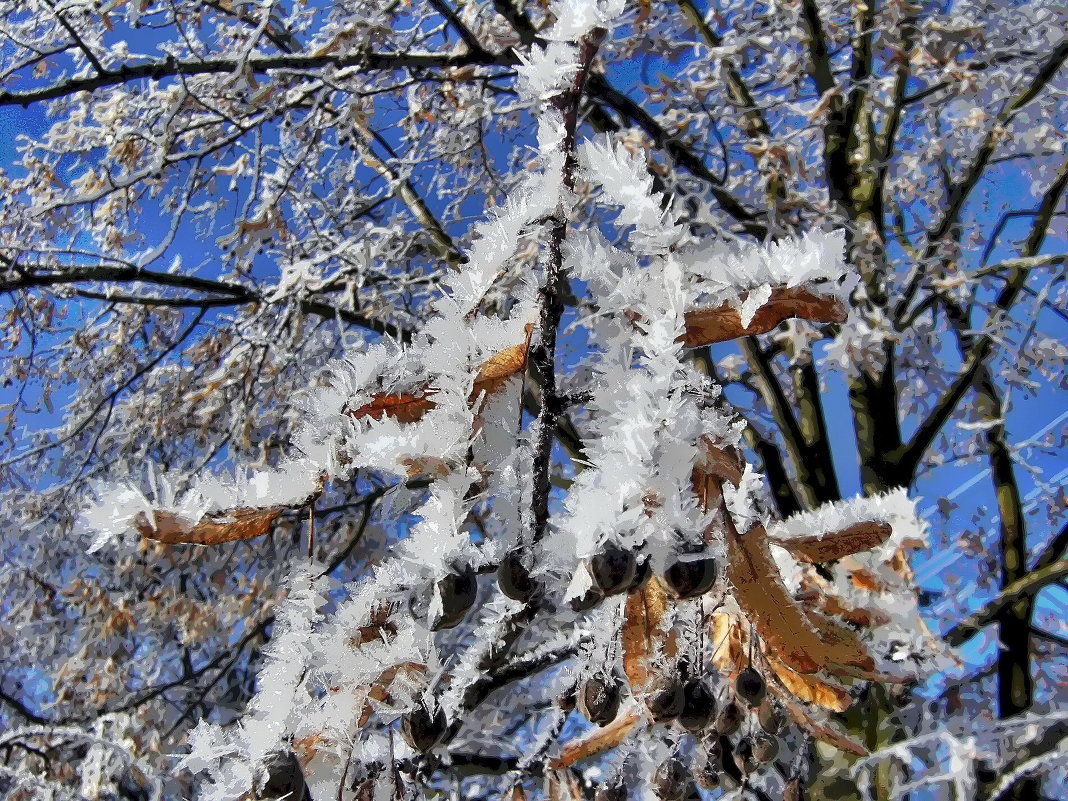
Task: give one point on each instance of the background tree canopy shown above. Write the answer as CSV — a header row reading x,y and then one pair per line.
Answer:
x,y
604,298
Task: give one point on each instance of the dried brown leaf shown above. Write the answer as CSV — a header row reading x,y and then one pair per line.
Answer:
x,y
841,647
727,634
410,407
765,600
723,323
403,408
835,545
237,524
379,689
811,688
642,631
864,579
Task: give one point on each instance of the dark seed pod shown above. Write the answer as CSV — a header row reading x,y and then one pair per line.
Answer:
x,y
672,781
729,720
613,570
743,756
750,686
514,578
592,597
690,578
642,571
283,777
698,706
423,729
770,717
765,748
599,699
709,766
458,592
667,702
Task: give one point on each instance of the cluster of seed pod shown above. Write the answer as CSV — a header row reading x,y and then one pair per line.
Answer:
x,y
614,571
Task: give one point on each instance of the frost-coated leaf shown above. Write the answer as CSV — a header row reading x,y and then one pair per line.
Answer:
x,y
642,631
834,545
238,524
724,322
410,407
403,408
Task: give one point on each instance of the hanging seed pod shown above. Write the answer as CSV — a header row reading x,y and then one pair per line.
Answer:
x,y
592,597
743,756
750,686
599,699
690,578
709,765
770,717
698,706
514,578
458,592
765,748
613,570
672,781
729,719
283,777
667,702
423,729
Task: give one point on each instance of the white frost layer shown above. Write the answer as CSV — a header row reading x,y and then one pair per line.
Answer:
x,y
722,271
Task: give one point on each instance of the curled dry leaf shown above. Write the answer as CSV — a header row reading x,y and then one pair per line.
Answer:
x,y
765,600
728,642
410,407
836,544
237,524
723,323
804,640
810,688
598,740
642,631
